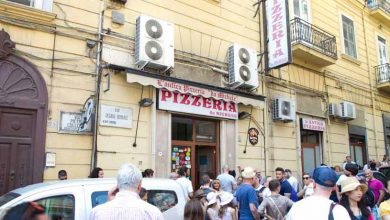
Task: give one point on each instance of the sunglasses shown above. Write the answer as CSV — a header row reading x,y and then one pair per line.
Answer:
x,y
305,178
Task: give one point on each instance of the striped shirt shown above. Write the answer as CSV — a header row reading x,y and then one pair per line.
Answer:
x,y
125,206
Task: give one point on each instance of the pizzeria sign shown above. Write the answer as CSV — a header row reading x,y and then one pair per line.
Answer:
x,y
188,103
313,124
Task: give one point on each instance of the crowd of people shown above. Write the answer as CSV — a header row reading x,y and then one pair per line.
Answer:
x,y
322,194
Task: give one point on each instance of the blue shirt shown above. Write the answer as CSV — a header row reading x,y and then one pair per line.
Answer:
x,y
245,195
285,187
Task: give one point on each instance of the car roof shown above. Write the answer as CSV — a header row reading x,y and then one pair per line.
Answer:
x,y
146,182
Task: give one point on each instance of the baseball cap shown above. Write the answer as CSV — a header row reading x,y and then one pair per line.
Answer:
x,y
248,173
325,176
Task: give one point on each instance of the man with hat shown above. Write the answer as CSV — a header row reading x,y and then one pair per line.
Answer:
x,y
318,206
246,196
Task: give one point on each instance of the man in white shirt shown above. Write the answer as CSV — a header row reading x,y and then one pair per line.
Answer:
x,y
127,205
291,179
347,160
185,183
228,183
308,188
319,206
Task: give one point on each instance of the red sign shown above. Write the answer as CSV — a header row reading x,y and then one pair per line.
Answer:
x,y
313,124
180,102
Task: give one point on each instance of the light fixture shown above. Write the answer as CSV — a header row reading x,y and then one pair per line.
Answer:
x,y
243,115
145,102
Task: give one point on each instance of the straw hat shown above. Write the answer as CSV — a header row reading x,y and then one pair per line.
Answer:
x,y
226,198
248,173
350,184
211,198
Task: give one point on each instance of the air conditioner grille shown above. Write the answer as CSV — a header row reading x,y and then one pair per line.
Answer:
x,y
153,50
231,65
245,73
349,110
244,55
154,28
286,108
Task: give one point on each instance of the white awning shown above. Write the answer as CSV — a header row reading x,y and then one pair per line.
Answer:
x,y
182,87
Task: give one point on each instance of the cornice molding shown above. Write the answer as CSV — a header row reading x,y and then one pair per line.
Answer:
x,y
18,11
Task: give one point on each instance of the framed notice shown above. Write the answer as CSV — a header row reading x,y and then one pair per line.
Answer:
x,y
71,121
114,116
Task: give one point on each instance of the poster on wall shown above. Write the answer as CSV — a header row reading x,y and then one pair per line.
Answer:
x,y
181,156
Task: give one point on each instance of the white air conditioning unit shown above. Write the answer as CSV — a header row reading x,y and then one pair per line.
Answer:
x,y
154,43
284,109
242,69
332,109
347,111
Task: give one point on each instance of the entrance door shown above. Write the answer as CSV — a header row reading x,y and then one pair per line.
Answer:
x,y
205,163
23,115
195,144
357,147
311,150
383,59
16,148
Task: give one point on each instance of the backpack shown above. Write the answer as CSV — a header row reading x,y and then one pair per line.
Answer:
x,y
260,198
369,198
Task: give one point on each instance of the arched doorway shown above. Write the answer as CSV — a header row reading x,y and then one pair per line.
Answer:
x,y
23,115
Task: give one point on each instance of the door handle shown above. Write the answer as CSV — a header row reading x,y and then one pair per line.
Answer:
x,y
12,175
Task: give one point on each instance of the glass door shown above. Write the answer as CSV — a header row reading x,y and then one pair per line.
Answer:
x,y
358,149
383,59
195,144
311,150
205,163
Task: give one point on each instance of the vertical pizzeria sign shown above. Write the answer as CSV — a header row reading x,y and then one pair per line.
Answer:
x,y
278,33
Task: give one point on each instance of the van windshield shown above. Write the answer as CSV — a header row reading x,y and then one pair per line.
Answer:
x,y
8,197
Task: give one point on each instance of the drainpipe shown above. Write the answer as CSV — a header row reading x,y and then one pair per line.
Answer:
x,y
264,89
97,86
373,102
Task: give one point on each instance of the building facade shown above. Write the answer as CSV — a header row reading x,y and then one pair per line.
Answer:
x,y
78,92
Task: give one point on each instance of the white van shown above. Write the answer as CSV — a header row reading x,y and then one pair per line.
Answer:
x,y
74,199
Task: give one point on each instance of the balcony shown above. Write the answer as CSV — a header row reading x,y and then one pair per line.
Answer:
x,y
312,44
380,9
383,75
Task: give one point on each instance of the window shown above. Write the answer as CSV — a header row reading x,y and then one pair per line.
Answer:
x,y
98,198
45,5
382,50
182,129
162,199
59,207
301,9
349,37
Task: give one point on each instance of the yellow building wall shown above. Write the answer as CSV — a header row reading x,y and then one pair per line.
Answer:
x,y
203,30
349,79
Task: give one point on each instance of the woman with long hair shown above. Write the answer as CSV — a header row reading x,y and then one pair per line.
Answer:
x,y
352,192
216,185
97,172
193,210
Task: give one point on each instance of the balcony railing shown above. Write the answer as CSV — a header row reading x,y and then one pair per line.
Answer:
x,y
383,73
379,4
314,37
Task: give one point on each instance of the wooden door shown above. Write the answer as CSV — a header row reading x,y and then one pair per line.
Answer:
x,y
16,148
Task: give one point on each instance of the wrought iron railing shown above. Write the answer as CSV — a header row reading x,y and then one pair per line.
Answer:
x,y
383,73
379,4
313,36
